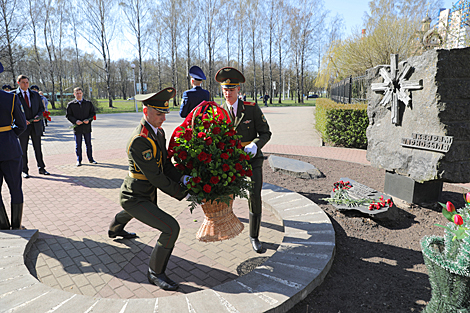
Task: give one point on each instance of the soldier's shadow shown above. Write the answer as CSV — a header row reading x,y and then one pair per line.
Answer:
x,y
122,259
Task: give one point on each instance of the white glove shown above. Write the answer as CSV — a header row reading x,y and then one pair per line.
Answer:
x,y
251,148
185,179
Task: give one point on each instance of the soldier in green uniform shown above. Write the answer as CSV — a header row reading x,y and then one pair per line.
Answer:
x,y
250,123
149,169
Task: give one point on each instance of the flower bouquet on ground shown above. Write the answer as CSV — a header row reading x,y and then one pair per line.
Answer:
x,y
448,262
206,147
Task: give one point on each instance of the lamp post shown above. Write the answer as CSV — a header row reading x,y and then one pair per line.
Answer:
x,y
133,79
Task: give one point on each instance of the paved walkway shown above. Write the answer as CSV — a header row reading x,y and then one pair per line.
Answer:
x,y
73,207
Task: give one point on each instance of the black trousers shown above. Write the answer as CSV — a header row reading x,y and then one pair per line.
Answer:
x,y
36,139
11,171
257,178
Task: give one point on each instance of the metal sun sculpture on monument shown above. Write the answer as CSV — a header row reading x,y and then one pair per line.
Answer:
x,y
396,86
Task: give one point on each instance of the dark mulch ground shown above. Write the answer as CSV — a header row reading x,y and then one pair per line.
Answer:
x,y
378,266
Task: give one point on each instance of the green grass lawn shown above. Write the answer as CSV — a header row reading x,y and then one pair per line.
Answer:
x,y
122,106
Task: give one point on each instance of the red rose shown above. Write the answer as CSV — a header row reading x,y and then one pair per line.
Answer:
x,y
208,141
94,117
241,157
216,130
207,188
229,151
215,180
201,135
197,179
230,133
205,116
171,152
238,167
190,165
225,167
239,144
221,145
183,155
224,156
232,142
249,173
180,167
233,178
242,172
209,158
202,156
247,157
206,124
188,134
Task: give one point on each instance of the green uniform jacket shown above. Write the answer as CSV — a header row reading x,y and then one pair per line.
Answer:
x,y
251,124
150,168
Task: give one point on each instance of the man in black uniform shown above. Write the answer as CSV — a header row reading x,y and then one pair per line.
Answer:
x,y
149,170
12,124
250,123
33,109
195,95
80,113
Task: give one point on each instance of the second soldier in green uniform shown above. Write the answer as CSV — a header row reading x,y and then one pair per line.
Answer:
x,y
149,170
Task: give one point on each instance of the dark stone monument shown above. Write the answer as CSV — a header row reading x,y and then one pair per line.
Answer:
x,y
419,123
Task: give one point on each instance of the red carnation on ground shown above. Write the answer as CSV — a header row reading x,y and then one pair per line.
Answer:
x,y
206,188
221,145
225,167
183,155
201,135
224,156
238,167
215,179
208,141
216,130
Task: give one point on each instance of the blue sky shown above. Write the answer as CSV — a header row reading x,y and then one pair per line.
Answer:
x,y
353,11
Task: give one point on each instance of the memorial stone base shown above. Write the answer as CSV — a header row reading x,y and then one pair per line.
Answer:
x,y
411,191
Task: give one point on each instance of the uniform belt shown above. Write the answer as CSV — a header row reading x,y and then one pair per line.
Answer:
x,y
246,143
137,176
5,128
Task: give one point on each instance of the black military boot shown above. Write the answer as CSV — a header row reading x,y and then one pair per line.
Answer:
x,y
4,222
117,229
157,266
255,223
16,215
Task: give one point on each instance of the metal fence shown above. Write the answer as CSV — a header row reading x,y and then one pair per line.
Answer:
x,y
349,90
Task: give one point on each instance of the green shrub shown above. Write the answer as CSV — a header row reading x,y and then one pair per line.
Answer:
x,y
342,124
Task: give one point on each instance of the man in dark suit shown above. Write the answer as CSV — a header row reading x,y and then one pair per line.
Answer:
x,y
80,113
12,124
195,95
33,109
250,123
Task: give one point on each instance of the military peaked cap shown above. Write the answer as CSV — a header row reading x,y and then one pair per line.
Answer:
x,y
159,100
197,73
34,87
229,77
6,87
